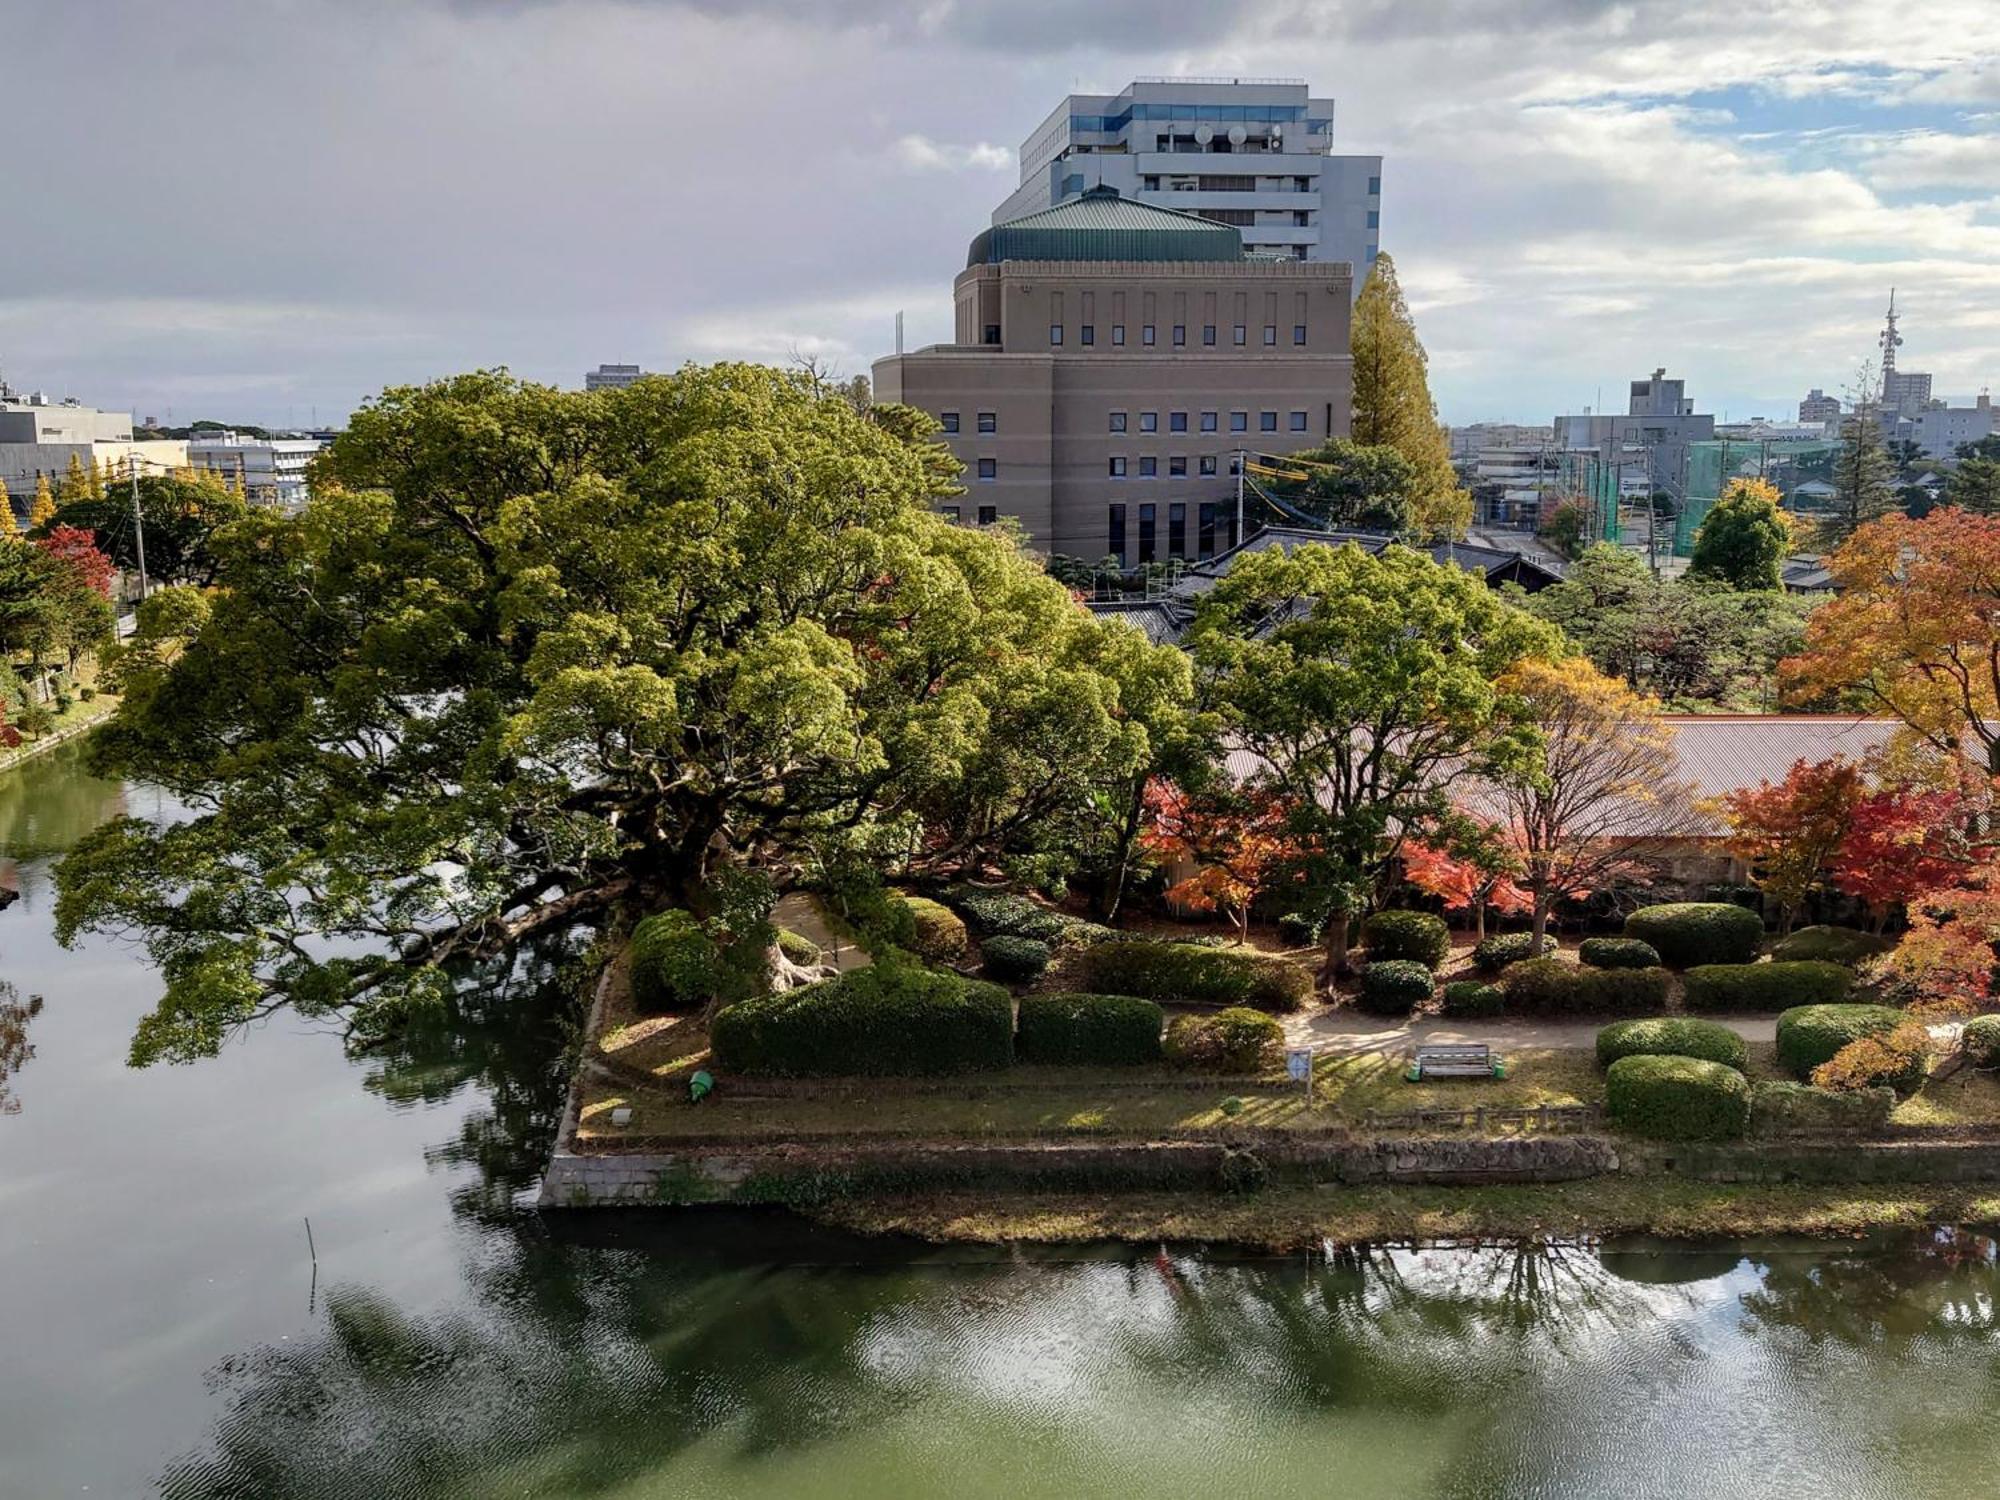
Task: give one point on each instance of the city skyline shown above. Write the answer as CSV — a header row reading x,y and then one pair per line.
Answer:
x,y
1575,193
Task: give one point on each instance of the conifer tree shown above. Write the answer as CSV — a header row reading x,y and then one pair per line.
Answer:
x,y
1392,401
42,509
9,531
93,481
1863,488
74,485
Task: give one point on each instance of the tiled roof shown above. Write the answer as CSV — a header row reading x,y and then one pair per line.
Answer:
x,y
1103,226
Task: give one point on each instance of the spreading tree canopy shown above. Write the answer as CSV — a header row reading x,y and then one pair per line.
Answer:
x,y
1392,401
1352,485
1744,538
530,657
182,513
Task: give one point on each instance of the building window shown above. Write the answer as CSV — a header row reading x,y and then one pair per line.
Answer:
x,y
1298,421
1205,536
1242,334
1180,335
1207,464
1267,421
1176,468
1208,421
1375,186
1270,335
1114,534
951,513
1118,334
1089,334
1149,421
1148,466
992,333
1302,184
988,422
1146,335
1374,218
1147,514
1298,333
1239,421
1208,334
1055,333
1118,421
1177,530
1177,421
1118,468
988,514
989,468
949,419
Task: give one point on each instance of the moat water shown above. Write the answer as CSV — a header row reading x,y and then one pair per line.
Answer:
x,y
166,1329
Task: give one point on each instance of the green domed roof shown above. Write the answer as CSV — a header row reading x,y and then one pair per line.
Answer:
x,y
1101,225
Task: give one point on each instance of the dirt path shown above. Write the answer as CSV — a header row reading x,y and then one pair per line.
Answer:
x,y
801,913
1350,1031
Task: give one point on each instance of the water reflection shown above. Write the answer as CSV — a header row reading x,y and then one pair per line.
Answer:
x,y
15,1048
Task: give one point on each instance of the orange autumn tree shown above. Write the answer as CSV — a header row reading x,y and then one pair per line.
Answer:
x,y
1470,872
1790,833
1236,840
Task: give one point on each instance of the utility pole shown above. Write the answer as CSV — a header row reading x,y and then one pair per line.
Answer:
x,y
138,527
1241,459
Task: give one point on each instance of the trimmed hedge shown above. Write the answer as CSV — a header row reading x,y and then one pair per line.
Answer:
x,y
799,948
1493,954
675,965
1415,935
1469,999
1098,1029
1184,974
1004,914
939,933
1774,986
1780,1108
1297,930
1981,1041
1394,987
1832,945
1235,1040
1809,1035
1554,987
1014,960
1685,933
892,1017
1677,1098
1672,1036
1618,953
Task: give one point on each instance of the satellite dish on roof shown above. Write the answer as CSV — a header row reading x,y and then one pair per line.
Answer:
x,y
1203,135
1238,135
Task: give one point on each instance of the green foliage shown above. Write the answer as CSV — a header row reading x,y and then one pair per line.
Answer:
x,y
891,1017
1184,974
1101,1030
1394,986
1981,1040
1468,999
1236,1040
1352,486
1677,1098
1772,986
1496,953
800,949
1833,945
183,512
1809,1035
1974,485
1672,1036
1782,1108
1298,930
1617,953
1005,914
1567,528
1743,540
1553,987
1414,935
1014,960
1684,933
1863,476
676,966
938,936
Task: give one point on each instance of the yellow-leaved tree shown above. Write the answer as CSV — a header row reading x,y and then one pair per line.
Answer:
x,y
75,485
1393,406
42,509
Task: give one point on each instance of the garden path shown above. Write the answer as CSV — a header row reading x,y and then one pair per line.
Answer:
x,y
1349,1031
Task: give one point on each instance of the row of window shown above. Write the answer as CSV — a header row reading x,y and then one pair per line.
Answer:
x,y
988,421
1238,335
1177,466
1177,421
988,514
1214,522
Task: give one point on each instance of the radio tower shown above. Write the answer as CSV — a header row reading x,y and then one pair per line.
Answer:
x,y
1890,342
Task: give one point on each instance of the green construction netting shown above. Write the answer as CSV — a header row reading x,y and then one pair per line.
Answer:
x,y
1788,463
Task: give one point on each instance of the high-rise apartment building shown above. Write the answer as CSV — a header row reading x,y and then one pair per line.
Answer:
x,y
1253,153
1110,360
1820,408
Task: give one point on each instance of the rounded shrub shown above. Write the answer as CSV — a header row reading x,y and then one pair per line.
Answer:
x,y
675,965
1773,986
1832,945
1672,1036
1781,1108
1394,987
798,948
881,916
1236,1040
1981,1041
939,933
1469,999
1493,954
1188,974
1677,1098
1414,935
1554,987
1685,933
1097,1029
892,1017
1297,930
1617,953
1899,1060
1809,1035
1014,960
1005,914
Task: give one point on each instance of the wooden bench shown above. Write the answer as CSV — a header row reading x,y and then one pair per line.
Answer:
x,y
1455,1060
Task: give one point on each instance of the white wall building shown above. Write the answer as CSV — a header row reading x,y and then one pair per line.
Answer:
x,y
270,471
1940,429
612,377
1255,153
38,437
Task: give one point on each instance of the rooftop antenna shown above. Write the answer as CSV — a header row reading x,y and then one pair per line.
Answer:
x,y
1890,342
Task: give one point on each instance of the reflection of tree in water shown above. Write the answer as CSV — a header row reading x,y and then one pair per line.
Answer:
x,y
15,1048
1943,1284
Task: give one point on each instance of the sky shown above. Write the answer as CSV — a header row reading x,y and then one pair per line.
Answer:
x,y
267,210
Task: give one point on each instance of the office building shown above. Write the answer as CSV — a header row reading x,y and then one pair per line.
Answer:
x,y
39,437
1255,154
1648,446
1110,358
1820,409
611,377
269,471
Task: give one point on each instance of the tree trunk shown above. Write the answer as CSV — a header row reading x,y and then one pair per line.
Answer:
x,y
1479,920
1128,834
1337,966
1539,929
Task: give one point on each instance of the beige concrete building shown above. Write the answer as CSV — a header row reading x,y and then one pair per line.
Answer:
x,y
1111,360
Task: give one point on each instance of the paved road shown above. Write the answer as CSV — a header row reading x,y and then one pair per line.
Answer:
x,y
1350,1031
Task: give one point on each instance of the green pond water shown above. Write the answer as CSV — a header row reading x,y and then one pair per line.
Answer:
x,y
165,1330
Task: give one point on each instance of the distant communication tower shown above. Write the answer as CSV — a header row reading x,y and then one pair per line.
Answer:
x,y
1890,341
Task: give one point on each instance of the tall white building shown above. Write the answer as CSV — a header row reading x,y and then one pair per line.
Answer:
x,y
39,437
612,377
1255,153
269,471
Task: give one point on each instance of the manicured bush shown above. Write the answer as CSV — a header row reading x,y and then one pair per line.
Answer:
x,y
1617,953
1236,1040
1672,1036
1899,1060
1759,987
939,937
1415,935
1780,1108
1493,954
675,965
1005,914
1468,999
1184,974
1014,960
881,917
1394,987
1555,987
1297,930
1096,1029
892,1017
1981,1041
1677,1098
1685,933
1809,1035
798,948
1832,945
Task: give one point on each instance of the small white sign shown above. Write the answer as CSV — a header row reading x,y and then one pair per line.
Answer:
x,y
1299,1064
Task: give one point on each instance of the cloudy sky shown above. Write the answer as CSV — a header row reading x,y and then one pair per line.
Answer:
x,y
267,209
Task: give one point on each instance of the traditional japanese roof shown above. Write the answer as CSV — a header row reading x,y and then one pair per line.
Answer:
x,y
1101,225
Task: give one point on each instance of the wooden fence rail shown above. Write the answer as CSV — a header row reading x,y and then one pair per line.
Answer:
x,y
1485,1118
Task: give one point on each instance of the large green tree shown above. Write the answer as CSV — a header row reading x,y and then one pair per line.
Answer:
x,y
1393,405
1974,485
1348,484
1744,539
1359,683
182,513
533,658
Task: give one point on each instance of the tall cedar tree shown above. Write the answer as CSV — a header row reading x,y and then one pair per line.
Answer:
x,y
1744,539
1393,406
1863,478
1975,486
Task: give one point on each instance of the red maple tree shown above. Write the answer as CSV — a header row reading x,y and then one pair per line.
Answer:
x,y
1237,841
1902,843
1790,833
1470,875
78,548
